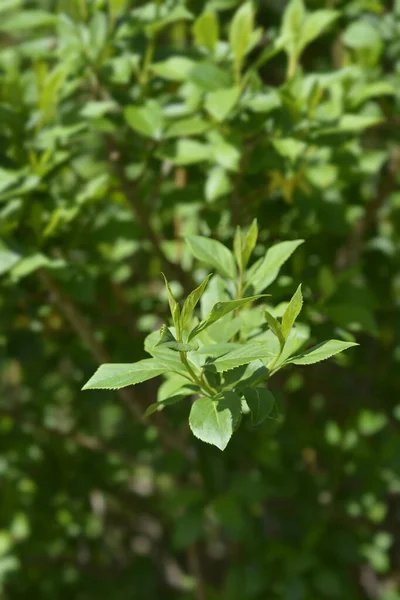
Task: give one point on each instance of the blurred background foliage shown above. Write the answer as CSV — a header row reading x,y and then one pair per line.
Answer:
x,y
125,126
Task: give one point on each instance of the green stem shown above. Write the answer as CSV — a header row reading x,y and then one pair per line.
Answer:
x,y
148,57
202,385
150,50
270,368
292,66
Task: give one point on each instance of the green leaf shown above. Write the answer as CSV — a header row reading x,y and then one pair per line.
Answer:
x,y
263,273
292,312
244,244
176,68
264,103
190,126
147,120
30,264
98,33
260,402
290,148
297,338
355,123
164,15
27,19
227,155
213,421
116,376
209,77
350,124
167,340
292,24
240,33
243,356
8,259
217,184
189,152
212,253
95,110
206,30
220,103
361,34
218,311
314,25
169,359
371,90
218,349
249,243
275,327
321,352
192,300
9,4
173,305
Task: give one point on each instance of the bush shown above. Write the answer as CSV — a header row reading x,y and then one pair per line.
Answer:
x,y
131,132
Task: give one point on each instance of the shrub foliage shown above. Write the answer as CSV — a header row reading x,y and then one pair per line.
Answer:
x,y
240,148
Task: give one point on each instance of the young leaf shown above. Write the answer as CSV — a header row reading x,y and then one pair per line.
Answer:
x,y
260,402
292,23
167,340
298,337
173,305
116,376
213,421
218,311
240,33
320,352
244,244
243,356
263,273
250,242
275,327
206,30
192,300
292,312
212,253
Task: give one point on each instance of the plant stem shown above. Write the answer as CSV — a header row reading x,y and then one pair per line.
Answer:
x,y
82,327
202,385
129,189
292,66
150,50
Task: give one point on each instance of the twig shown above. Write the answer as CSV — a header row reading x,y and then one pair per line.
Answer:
x,y
129,189
78,322
73,316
